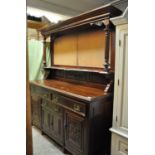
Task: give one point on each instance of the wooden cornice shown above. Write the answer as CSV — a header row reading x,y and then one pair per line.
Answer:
x,y
93,16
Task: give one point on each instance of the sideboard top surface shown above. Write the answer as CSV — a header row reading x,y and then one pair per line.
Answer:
x,y
72,89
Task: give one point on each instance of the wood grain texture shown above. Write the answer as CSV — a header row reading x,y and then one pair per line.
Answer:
x,y
72,89
28,111
77,93
79,134
92,16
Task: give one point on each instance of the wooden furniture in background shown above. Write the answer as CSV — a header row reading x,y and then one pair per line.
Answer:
x,y
29,147
73,104
31,115
120,113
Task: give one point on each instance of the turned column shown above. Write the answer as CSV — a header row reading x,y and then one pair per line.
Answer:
x,y
44,51
107,42
52,38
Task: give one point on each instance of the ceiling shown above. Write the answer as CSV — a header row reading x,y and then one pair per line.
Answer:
x,y
66,7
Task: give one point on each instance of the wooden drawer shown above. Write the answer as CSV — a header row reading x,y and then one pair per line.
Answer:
x,y
50,98
40,91
48,104
70,104
119,145
47,95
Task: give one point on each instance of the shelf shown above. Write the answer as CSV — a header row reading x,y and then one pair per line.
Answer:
x,y
98,70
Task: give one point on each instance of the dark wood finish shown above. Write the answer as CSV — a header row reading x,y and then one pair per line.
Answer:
x,y
79,91
46,119
98,17
78,68
74,133
52,119
29,148
57,124
93,16
76,102
36,110
44,51
80,126
91,77
112,50
107,41
52,49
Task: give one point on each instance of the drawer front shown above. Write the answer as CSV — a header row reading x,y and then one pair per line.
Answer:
x,y
41,91
70,104
50,99
53,107
119,145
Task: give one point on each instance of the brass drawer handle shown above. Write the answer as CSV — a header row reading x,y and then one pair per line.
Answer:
x,y
76,107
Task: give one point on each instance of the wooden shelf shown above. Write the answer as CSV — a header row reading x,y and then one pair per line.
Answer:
x,y
97,70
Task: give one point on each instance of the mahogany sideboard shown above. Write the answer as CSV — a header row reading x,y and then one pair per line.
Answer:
x,y
73,104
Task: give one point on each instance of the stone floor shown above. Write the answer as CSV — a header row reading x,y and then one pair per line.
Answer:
x,y
42,145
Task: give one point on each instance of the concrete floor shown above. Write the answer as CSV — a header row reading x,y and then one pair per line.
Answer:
x,y
42,145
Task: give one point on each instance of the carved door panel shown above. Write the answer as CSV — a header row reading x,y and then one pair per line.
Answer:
x,y
46,119
74,133
56,124
36,110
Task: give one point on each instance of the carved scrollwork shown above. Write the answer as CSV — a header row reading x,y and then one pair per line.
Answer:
x,y
55,99
75,132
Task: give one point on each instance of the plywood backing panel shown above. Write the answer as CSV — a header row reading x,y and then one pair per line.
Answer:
x,y
65,50
91,49
83,49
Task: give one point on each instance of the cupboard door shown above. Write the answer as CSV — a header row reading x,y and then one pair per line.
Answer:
x,y
121,81
36,110
74,133
46,119
56,124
